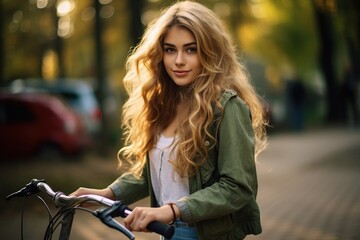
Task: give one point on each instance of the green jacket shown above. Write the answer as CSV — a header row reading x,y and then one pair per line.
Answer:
x,y
222,202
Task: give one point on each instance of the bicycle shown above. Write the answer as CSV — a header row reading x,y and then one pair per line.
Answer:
x,y
67,205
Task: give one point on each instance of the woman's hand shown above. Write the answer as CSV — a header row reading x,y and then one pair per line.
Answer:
x,y
105,192
142,216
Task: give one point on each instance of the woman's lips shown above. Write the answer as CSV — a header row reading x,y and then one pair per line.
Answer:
x,y
180,73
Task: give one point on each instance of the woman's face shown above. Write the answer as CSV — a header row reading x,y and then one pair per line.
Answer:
x,y
180,56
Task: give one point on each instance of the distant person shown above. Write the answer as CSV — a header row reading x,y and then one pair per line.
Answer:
x,y
350,91
297,97
193,126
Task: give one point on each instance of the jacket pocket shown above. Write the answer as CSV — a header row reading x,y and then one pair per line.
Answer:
x,y
217,228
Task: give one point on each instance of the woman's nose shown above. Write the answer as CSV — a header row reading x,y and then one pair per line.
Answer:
x,y
180,60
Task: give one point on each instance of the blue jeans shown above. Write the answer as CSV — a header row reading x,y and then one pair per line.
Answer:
x,y
183,232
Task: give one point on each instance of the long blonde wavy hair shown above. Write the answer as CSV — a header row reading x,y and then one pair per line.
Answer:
x,y
153,96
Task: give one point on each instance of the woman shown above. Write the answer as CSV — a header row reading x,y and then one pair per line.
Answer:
x,y
193,126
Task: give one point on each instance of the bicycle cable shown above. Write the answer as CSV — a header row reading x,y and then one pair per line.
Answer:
x,y
23,212
62,213
57,219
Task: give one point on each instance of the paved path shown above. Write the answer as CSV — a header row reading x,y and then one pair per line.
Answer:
x,y
309,189
309,186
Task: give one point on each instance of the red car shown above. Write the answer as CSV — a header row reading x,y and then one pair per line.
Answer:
x,y
35,123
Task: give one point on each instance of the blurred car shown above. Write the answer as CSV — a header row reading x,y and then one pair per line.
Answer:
x,y
76,93
37,123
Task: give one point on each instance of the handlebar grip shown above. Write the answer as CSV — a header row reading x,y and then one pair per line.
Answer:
x,y
161,228
120,209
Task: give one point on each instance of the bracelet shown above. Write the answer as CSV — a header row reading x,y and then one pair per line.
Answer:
x,y
173,210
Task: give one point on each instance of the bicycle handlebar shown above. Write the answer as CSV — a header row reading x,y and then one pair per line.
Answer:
x,y
106,215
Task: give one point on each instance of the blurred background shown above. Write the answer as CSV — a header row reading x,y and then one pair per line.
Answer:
x,y
61,92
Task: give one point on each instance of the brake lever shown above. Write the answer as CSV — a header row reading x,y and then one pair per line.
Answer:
x,y
106,216
28,190
120,209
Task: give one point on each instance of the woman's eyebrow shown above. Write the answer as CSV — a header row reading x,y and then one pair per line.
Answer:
x,y
185,45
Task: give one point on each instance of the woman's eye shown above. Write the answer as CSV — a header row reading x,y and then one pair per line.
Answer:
x,y
169,50
191,50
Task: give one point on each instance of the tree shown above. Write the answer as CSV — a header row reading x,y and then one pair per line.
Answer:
x,y
326,59
2,45
136,26
348,12
335,19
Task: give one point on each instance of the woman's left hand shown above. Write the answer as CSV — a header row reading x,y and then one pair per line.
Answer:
x,y
140,217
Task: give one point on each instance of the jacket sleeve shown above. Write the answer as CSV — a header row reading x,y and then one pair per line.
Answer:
x,y
130,189
236,184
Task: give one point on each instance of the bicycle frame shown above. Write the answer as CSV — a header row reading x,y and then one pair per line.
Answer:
x,y
68,204
66,225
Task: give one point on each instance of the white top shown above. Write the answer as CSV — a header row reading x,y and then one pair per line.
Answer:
x,y
167,184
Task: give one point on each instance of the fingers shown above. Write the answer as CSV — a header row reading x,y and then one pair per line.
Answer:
x,y
79,191
106,192
139,219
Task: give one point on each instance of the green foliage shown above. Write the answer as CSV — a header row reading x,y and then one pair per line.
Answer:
x,y
287,36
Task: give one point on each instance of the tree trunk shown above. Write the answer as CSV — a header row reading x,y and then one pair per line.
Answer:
x,y
100,76
327,66
136,26
2,44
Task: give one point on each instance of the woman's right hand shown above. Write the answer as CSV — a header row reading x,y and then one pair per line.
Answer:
x,y
105,192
